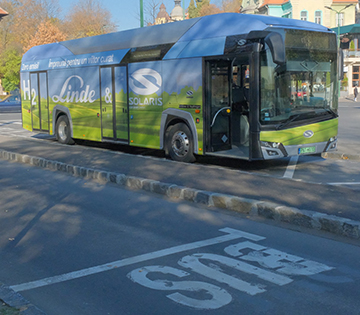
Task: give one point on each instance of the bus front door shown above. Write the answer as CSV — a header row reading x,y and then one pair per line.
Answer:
x,y
39,101
114,106
218,104
227,107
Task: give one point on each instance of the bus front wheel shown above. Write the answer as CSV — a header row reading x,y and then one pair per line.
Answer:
x,y
63,130
179,143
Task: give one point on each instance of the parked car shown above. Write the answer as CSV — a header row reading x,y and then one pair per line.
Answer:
x,y
11,103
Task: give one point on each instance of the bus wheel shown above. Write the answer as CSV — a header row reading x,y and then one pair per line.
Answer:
x,y
179,143
63,131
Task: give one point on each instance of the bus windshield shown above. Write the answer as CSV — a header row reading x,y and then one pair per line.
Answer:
x,y
303,90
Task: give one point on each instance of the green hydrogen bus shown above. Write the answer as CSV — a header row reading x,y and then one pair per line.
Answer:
x,y
228,85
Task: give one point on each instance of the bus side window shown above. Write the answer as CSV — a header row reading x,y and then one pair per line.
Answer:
x,y
241,88
245,80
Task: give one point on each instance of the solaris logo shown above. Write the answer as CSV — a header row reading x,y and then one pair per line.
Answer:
x,y
145,81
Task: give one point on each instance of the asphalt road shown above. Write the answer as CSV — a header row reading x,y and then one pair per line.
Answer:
x,y
71,246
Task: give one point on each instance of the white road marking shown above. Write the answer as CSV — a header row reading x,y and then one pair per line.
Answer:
x,y
10,122
290,170
344,183
225,271
283,262
193,262
200,294
219,296
232,235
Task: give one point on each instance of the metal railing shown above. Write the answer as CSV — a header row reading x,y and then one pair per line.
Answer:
x,y
349,53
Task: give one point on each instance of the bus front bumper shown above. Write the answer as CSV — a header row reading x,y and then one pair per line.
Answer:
x,y
277,150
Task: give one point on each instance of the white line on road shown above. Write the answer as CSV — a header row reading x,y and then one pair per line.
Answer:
x,y
10,122
232,235
344,183
290,170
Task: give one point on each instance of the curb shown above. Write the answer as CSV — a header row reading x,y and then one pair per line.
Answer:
x,y
253,208
16,300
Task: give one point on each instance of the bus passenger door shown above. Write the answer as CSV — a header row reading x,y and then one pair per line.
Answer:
x,y
121,104
114,112
43,102
107,106
39,101
218,75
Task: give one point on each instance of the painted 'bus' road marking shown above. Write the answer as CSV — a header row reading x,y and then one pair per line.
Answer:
x,y
212,296
232,234
290,170
246,257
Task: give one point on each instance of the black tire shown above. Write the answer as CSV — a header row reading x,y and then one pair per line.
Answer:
x,y
63,130
179,143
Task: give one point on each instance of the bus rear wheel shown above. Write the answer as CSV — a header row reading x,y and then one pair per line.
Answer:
x,y
63,130
179,143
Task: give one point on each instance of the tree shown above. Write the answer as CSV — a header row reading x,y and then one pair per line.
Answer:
x,y
231,5
36,22
28,15
7,26
151,11
193,12
201,8
88,18
47,33
194,9
209,10
10,69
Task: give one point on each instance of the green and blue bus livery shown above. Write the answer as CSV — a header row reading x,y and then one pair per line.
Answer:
x,y
230,85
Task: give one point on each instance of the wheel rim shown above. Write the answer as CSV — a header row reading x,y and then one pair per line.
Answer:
x,y
62,130
180,143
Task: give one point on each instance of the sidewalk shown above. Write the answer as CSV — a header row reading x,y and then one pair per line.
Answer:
x,y
299,203
348,147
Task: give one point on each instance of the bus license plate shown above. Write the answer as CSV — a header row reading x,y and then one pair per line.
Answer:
x,y
307,150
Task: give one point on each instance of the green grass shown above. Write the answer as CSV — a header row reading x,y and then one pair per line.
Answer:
x,y
7,310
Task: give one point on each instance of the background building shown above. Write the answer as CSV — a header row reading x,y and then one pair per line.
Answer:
x,y
281,8
2,13
177,14
307,10
162,17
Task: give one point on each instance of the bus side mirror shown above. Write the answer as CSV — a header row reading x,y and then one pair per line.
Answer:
x,y
277,47
341,64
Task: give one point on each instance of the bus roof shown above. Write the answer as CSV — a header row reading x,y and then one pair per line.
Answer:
x,y
207,32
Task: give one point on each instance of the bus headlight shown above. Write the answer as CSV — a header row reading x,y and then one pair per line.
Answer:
x,y
272,150
332,144
273,145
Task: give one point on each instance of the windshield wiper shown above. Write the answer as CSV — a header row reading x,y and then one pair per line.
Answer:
x,y
327,111
293,118
332,112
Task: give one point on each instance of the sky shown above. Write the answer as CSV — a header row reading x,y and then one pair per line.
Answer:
x,y
125,13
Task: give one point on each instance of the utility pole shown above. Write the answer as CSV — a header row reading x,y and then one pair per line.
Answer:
x,y
338,19
183,6
338,34
141,13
